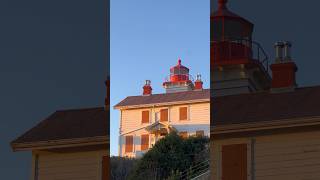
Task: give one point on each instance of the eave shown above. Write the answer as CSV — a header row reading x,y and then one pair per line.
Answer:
x,y
60,143
264,125
162,104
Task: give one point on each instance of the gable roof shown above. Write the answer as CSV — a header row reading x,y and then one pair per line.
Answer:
x,y
149,100
266,107
67,125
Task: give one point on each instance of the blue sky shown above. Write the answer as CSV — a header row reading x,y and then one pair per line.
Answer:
x,y
147,38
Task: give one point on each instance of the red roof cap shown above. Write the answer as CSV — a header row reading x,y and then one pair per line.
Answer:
x,y
224,12
179,66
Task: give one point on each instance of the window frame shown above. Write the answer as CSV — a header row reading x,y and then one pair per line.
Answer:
x,y
167,119
144,147
126,149
187,113
142,120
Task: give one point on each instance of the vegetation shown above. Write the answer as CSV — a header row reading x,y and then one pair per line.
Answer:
x,y
171,157
121,167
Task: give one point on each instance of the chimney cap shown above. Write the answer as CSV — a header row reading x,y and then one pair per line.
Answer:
x,y
279,43
148,82
198,77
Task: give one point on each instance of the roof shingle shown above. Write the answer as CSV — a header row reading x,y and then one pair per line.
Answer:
x,y
69,124
165,98
266,106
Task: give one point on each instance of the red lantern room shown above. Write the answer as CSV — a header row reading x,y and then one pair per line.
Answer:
x,y
179,73
234,55
179,79
231,36
227,25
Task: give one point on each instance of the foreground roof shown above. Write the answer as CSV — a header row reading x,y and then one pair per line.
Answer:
x,y
265,107
192,96
67,126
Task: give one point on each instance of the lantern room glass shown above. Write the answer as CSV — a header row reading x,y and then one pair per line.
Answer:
x,y
230,29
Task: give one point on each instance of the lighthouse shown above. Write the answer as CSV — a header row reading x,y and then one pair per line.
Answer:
x,y
238,64
179,79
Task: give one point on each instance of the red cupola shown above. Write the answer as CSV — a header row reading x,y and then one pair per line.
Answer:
x,y
179,79
226,25
238,64
179,73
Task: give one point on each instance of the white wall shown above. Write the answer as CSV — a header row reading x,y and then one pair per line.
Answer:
x,y
198,119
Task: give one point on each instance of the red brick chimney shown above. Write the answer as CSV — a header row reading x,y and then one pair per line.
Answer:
x,y
198,83
147,90
284,69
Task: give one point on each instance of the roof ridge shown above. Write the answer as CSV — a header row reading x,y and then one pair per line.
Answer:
x,y
165,98
181,92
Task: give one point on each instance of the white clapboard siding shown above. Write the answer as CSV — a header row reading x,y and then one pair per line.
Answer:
x,y
214,161
198,113
131,120
198,119
70,166
289,156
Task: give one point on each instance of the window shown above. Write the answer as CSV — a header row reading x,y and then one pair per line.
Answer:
x,y
183,113
144,142
105,167
200,133
145,117
183,134
163,115
129,144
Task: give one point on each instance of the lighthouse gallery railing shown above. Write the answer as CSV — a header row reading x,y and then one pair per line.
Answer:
x,y
239,49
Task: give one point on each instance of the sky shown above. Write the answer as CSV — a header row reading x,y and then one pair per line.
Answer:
x,y
52,56
147,38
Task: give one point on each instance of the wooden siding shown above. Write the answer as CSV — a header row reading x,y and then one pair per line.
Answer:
x,y
198,119
70,166
293,156
290,156
198,113
214,156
